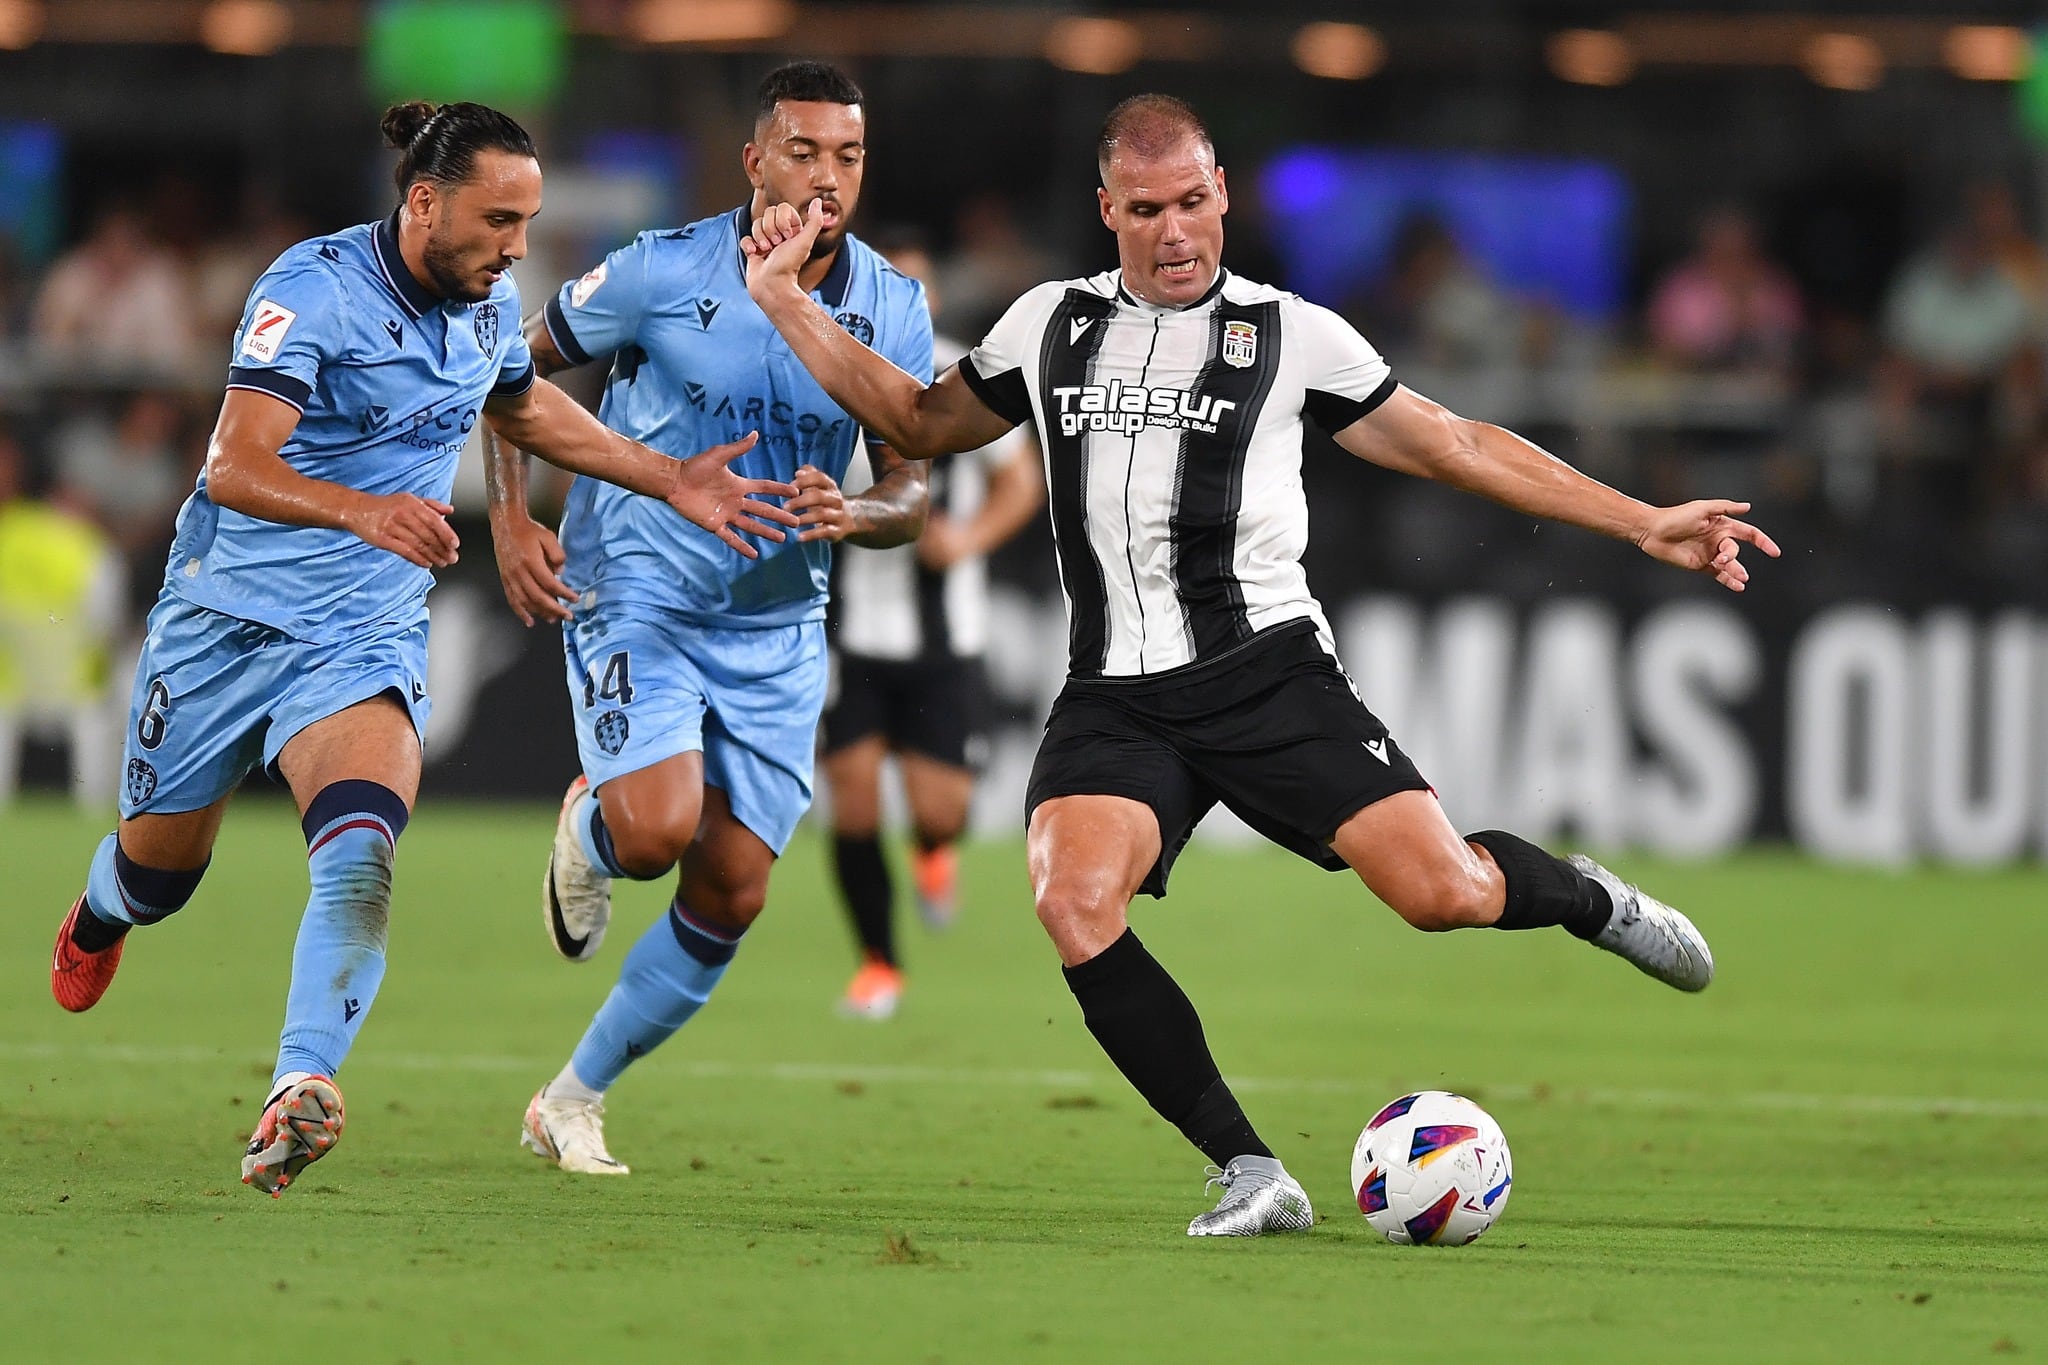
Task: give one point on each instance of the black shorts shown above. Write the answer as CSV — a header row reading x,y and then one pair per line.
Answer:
x,y
1273,731
936,706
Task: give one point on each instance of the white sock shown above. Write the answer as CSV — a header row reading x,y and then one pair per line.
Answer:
x,y
569,1086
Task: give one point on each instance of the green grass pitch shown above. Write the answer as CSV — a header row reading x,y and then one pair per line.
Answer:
x,y
1837,1153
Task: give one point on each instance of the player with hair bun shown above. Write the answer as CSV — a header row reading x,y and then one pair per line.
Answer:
x,y
291,631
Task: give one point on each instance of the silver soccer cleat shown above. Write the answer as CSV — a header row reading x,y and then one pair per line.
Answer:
x,y
1258,1197
1659,940
569,1133
575,898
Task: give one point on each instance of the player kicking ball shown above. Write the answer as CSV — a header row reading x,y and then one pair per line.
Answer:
x,y
291,631
1169,396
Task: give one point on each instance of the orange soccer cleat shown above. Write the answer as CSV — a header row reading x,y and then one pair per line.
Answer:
x,y
874,991
300,1125
937,874
77,978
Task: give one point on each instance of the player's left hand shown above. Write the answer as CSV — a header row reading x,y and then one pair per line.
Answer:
x,y
779,245
711,495
1706,538
820,506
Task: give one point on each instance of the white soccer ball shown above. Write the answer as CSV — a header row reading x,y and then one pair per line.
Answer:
x,y
1431,1169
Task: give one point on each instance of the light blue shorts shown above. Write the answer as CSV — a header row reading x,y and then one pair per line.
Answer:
x,y
646,684
216,695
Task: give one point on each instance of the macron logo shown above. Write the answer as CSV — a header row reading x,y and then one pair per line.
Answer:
x,y
1378,749
1076,328
267,326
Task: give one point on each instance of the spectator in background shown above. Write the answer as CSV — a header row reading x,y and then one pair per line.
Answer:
x,y
1996,214
229,265
1727,306
60,604
128,475
1436,308
1959,378
991,266
117,300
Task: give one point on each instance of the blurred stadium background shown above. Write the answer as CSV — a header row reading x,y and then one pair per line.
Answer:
x,y
1778,252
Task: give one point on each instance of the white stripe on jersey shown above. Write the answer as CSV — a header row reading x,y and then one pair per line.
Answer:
x,y
1173,453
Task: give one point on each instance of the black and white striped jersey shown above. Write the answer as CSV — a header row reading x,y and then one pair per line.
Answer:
x,y
885,603
1172,442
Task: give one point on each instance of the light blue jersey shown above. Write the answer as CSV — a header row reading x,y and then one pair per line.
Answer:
x,y
697,364
389,381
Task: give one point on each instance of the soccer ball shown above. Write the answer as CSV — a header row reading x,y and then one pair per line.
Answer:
x,y
1431,1169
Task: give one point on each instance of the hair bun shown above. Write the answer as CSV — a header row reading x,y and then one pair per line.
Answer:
x,y
402,122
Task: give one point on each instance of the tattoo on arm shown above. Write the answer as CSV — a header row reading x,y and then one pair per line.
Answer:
x,y
892,512
504,474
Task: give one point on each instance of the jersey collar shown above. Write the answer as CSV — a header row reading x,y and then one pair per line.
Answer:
x,y
1208,295
412,295
831,290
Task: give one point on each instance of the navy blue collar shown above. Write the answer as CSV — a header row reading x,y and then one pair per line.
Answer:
x,y
414,296
831,290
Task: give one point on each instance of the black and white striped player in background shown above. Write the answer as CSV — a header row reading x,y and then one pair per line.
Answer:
x,y
908,627
1170,396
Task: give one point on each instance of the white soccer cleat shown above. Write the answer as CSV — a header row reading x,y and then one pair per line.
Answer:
x,y
1258,1197
569,1133
575,898
300,1124
1659,940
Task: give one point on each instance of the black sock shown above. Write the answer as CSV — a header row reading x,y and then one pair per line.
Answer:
x,y
1542,889
95,935
1149,1028
863,874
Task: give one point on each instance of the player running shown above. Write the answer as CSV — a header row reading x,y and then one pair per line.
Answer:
x,y
1170,397
292,626
696,673
908,627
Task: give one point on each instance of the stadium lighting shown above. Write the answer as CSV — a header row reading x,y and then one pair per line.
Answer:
x,y
710,21
1987,52
1844,61
1590,56
1095,47
1338,52
21,23
245,28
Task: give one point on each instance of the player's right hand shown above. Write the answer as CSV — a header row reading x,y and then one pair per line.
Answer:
x,y
415,529
530,561
708,493
779,245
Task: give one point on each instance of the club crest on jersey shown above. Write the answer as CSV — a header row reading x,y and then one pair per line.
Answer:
x,y
1128,408
1240,344
858,327
486,323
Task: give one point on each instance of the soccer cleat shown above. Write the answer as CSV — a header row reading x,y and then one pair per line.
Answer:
x,y
1258,1197
569,1133
77,978
1659,940
874,992
936,873
575,898
300,1125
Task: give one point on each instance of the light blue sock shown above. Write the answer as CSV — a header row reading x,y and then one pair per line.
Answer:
x,y
352,830
668,976
597,842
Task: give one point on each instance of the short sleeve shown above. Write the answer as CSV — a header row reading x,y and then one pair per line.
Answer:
x,y
601,312
291,328
995,369
1345,377
515,362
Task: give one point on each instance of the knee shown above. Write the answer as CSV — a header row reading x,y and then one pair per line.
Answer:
x,y
1074,909
1450,896
646,849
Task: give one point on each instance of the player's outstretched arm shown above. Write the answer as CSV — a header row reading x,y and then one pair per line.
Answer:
x,y
1411,434
245,473
919,422
703,488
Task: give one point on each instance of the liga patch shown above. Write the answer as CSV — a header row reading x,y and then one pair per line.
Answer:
x,y
266,330
580,292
